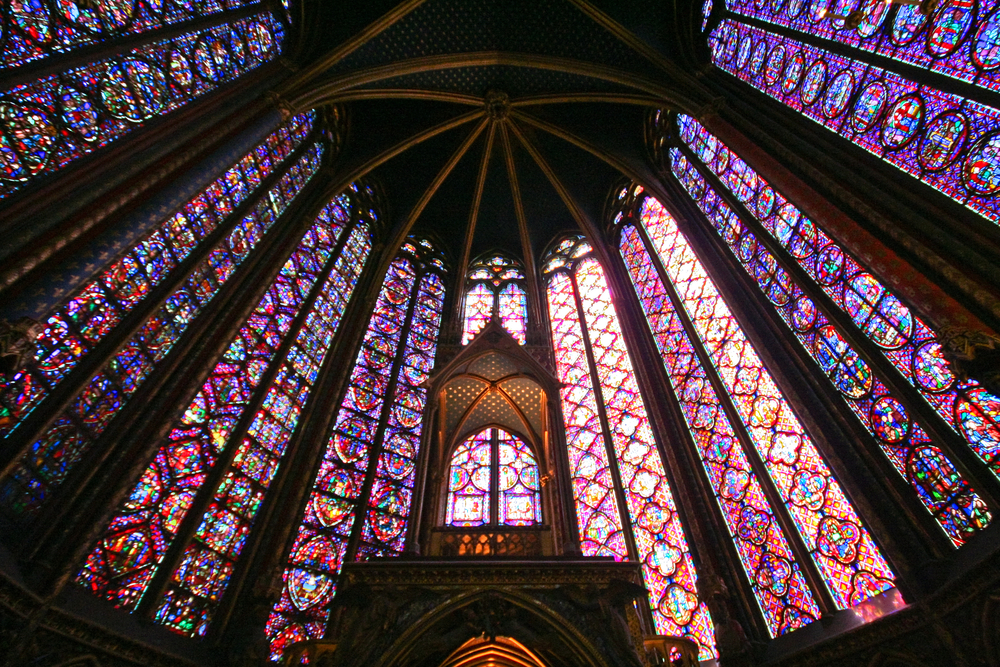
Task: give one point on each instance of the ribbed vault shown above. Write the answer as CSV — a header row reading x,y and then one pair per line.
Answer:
x,y
493,123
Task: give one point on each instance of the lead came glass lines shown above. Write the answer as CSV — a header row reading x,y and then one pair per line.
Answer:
x,y
469,482
76,327
201,578
495,290
775,575
129,552
905,340
331,511
961,39
660,543
384,529
597,510
478,311
50,458
473,482
848,558
659,538
513,307
938,484
50,122
517,482
948,142
38,29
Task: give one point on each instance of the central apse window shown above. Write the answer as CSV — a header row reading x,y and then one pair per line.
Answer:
x,y
493,479
495,291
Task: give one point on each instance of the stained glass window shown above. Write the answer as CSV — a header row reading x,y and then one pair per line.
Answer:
x,y
949,142
907,342
960,38
493,478
205,228
495,290
39,29
835,537
378,421
52,121
615,463
211,470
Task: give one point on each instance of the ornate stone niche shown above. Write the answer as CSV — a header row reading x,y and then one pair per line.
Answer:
x,y
492,383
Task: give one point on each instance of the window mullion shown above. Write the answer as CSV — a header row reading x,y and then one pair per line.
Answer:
x,y
824,598
42,416
915,72
84,55
206,492
375,450
986,484
602,414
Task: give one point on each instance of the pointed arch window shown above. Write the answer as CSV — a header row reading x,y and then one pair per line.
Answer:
x,y
51,121
493,480
625,507
495,289
215,232
214,468
738,415
361,498
947,141
783,237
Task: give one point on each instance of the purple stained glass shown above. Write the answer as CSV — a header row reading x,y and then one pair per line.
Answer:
x,y
844,552
39,29
188,604
660,544
49,123
775,575
338,496
905,340
495,287
960,39
470,476
948,142
50,458
384,530
74,328
132,547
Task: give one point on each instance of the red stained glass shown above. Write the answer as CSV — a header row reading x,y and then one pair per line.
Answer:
x,y
660,544
51,457
775,575
906,341
149,521
948,142
48,123
495,289
843,550
493,466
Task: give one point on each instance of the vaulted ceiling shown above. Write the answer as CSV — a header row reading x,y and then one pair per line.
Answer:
x,y
496,124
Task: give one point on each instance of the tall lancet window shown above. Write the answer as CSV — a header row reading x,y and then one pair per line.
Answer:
x,y
172,547
56,110
624,504
788,515
156,289
949,142
495,290
967,412
360,502
493,480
